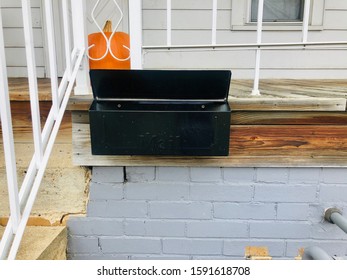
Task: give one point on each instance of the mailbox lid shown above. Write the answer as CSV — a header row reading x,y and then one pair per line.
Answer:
x,y
160,84
159,106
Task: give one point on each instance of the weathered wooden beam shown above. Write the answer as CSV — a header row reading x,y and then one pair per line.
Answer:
x,y
257,146
263,103
293,140
288,118
22,124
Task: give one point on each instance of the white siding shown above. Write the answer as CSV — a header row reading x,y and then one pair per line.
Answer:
x,y
107,10
191,24
14,37
336,5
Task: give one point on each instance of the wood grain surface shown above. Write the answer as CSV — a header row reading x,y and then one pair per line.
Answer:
x,y
294,123
250,145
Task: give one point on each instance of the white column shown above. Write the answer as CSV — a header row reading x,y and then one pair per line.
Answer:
x,y
214,22
255,90
135,19
305,20
168,22
80,41
7,136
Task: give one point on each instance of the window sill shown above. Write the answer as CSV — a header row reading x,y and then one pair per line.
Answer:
x,y
275,27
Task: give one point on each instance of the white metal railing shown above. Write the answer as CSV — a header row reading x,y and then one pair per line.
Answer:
x,y
21,202
258,46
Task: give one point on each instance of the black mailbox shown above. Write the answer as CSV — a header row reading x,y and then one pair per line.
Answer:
x,y
160,112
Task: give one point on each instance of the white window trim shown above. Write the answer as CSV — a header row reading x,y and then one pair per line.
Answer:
x,y
240,18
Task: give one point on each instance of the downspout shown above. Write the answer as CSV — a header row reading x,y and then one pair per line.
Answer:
x,y
334,216
315,253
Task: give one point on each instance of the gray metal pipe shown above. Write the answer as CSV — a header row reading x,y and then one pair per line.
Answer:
x,y
334,216
315,253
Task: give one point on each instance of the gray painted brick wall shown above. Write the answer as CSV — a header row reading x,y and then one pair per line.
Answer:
x,y
208,213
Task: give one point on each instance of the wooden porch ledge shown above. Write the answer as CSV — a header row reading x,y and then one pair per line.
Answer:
x,y
276,95
294,123
289,95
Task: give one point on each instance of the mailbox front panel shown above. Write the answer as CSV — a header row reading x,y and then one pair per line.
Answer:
x,y
160,133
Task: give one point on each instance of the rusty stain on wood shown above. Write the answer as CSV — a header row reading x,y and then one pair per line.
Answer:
x,y
249,146
294,140
288,118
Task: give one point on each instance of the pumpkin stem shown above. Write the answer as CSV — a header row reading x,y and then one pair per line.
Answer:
x,y
107,26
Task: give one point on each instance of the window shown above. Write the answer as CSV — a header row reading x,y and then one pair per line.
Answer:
x,y
278,14
279,10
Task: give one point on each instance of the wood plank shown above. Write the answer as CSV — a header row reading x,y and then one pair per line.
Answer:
x,y
304,88
253,104
294,123
287,118
23,107
80,117
22,125
80,102
250,146
264,118
23,133
291,88
277,95
293,140
282,104
19,89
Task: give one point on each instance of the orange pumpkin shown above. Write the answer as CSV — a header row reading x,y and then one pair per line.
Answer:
x,y
98,47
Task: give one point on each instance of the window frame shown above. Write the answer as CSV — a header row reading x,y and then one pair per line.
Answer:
x,y
241,18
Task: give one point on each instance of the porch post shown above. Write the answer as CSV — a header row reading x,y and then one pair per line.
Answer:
x,y
135,26
79,26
